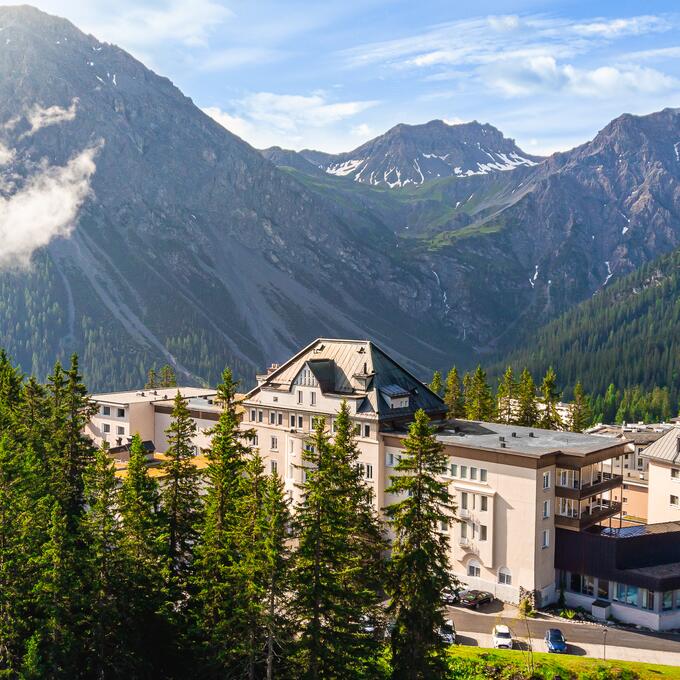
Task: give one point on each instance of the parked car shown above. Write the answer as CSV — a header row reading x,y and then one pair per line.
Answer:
x,y
450,596
502,637
554,641
447,633
474,598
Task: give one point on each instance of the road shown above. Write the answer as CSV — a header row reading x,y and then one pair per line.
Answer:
x,y
482,621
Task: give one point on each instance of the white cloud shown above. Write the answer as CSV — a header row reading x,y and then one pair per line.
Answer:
x,y
45,208
132,26
614,28
543,74
39,117
363,131
265,118
6,155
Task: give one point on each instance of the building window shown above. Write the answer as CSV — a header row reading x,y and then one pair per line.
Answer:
x,y
273,466
546,509
299,396
312,398
626,594
253,415
675,472
603,588
291,470
504,576
255,441
314,422
575,583
120,430
463,530
474,569
647,598
546,480
667,600
367,430
482,475
300,421
463,471
588,585
106,427
369,471
464,500
260,416
482,532
674,500
280,418
292,420
272,418
545,538
444,525
106,410
121,413
563,478
473,473
275,443
483,503
453,470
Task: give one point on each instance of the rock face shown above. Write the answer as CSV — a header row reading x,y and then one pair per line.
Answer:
x,y
415,154
191,247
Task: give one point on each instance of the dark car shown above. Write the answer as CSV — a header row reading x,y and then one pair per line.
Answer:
x,y
474,598
554,641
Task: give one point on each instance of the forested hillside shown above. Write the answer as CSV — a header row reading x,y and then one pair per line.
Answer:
x,y
627,334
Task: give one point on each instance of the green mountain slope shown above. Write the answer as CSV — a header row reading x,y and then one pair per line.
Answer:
x,y
628,334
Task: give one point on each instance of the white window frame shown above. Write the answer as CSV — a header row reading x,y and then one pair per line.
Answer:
x,y
474,569
546,508
545,539
546,480
274,443
505,576
483,475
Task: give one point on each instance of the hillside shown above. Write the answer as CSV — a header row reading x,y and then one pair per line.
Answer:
x,y
628,334
190,247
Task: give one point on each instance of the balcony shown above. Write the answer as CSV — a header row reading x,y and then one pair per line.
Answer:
x,y
602,482
587,518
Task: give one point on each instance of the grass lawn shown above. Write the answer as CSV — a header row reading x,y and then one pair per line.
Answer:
x,y
470,662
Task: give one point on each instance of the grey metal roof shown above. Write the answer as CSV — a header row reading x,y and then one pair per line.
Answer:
x,y
394,391
527,441
666,448
356,368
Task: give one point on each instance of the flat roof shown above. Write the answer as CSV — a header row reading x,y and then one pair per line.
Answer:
x,y
145,396
526,441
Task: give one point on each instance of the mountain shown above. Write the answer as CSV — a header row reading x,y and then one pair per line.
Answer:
x,y
415,154
189,247
513,250
628,334
285,158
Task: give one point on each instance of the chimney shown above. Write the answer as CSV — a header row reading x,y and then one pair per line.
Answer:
x,y
272,368
514,434
502,445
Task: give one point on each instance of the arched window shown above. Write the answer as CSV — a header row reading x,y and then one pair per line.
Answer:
x,y
474,569
504,576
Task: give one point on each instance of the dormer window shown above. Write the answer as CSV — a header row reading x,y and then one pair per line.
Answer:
x,y
396,397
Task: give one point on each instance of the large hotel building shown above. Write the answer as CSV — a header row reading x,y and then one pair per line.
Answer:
x,y
538,511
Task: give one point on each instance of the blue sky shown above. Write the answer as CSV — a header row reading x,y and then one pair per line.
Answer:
x,y
330,75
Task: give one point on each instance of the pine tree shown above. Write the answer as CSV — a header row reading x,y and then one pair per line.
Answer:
x,y
167,377
527,410
419,569
550,418
478,399
106,641
152,380
329,596
276,572
580,410
506,397
218,578
179,496
453,395
436,385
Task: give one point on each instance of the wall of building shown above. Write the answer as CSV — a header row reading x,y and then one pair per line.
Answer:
x,y
161,422
662,487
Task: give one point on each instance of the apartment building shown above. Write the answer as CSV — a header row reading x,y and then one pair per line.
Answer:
x,y
634,467
663,459
120,415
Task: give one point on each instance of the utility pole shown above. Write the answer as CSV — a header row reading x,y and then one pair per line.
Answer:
x,y
604,644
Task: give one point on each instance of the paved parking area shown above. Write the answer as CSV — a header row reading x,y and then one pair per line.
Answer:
x,y
474,628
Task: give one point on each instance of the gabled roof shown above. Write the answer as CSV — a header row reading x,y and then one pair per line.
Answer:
x,y
666,448
356,369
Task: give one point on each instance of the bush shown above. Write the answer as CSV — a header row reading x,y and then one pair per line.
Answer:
x,y
525,608
568,614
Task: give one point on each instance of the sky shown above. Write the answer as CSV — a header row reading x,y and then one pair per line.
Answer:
x,y
332,74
